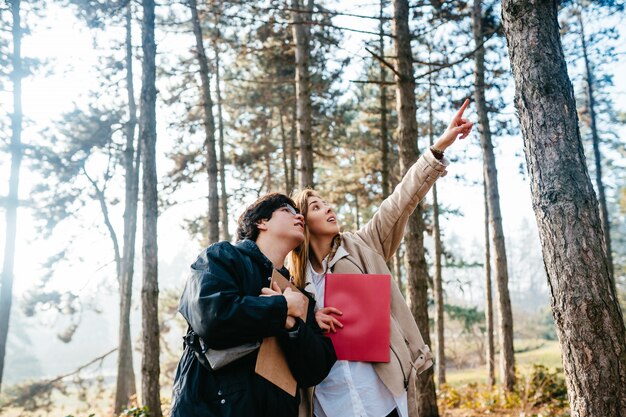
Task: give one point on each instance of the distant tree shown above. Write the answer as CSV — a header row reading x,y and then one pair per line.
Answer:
x,y
301,14
417,270
150,368
505,316
12,200
95,132
440,364
584,303
209,124
489,351
596,48
217,44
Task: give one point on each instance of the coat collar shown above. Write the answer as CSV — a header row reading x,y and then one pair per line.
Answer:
x,y
340,254
250,248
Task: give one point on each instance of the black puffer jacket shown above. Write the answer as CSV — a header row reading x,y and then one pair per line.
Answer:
x,y
221,303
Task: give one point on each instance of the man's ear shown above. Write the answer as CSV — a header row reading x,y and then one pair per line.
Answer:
x,y
262,225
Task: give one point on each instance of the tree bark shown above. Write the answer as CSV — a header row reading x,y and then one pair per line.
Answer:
x,y
209,126
595,138
384,134
417,270
150,368
303,92
587,316
223,199
285,153
12,202
507,357
125,386
490,352
440,363
293,136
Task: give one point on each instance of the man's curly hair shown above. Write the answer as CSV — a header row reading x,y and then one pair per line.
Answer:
x,y
261,209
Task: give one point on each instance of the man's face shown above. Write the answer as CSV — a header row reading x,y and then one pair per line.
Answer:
x,y
285,223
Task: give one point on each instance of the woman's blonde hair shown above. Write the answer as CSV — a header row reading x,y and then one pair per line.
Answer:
x,y
300,256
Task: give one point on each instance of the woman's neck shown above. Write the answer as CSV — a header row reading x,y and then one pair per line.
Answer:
x,y
320,247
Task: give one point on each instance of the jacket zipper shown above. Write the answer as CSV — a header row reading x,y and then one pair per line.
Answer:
x,y
404,378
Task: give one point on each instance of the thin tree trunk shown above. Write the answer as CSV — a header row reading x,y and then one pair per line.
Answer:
x,y
150,368
384,135
293,135
209,126
125,386
417,270
440,363
303,93
490,353
595,137
225,233
283,138
12,202
507,358
100,196
586,312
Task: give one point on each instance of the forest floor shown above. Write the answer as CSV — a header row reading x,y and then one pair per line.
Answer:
x,y
465,395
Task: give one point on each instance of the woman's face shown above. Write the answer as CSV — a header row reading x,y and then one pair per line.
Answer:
x,y
320,218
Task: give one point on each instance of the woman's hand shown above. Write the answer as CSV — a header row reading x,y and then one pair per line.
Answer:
x,y
458,126
327,322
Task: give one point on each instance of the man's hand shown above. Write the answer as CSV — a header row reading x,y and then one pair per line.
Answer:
x,y
327,322
458,126
296,303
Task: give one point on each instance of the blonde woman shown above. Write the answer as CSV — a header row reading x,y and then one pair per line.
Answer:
x,y
356,389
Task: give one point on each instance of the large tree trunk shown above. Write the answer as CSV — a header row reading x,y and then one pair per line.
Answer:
x,y
507,358
223,199
440,363
303,91
12,202
587,316
417,270
490,351
125,386
595,138
150,368
209,126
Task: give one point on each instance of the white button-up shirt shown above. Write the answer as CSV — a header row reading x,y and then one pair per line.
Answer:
x,y
351,389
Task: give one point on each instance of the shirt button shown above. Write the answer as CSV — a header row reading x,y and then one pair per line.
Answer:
x,y
219,392
223,401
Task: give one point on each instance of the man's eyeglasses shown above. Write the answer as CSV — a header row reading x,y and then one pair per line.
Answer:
x,y
290,208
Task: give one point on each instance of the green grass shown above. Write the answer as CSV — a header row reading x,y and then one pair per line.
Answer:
x,y
541,352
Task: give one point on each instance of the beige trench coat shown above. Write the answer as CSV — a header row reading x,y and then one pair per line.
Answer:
x,y
367,252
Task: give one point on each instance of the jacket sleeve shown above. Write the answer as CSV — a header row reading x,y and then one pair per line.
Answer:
x,y
384,232
310,354
219,311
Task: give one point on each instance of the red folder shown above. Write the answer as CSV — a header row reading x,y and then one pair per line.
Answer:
x,y
365,301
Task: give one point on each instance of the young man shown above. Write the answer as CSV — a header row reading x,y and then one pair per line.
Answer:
x,y
228,307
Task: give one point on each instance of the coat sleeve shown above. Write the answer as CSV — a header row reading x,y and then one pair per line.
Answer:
x,y
384,232
218,310
310,354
